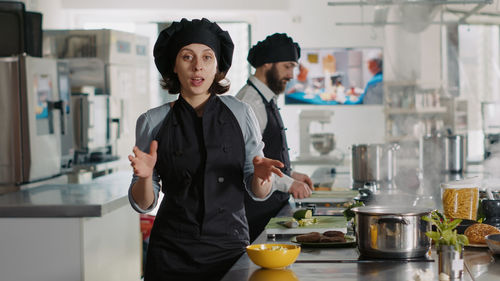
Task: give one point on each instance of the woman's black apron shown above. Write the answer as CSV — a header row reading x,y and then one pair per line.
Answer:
x,y
260,212
200,229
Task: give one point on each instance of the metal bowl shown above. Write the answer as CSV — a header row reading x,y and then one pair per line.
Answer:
x,y
493,241
323,142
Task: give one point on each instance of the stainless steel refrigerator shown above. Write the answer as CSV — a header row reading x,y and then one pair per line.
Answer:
x,y
30,124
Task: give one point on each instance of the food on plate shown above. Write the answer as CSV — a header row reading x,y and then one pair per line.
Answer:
x,y
326,239
460,203
333,233
476,232
305,222
330,236
302,214
309,237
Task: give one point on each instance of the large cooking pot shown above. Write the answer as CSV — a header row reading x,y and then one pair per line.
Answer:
x,y
444,153
395,232
374,162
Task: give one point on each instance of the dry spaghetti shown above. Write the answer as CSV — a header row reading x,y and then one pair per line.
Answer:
x,y
460,203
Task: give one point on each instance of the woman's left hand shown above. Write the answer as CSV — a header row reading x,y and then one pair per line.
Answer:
x,y
265,167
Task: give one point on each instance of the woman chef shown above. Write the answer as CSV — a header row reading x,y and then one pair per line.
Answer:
x,y
207,151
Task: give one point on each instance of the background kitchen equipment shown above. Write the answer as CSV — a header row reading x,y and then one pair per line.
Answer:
x,y
392,233
91,126
31,143
21,31
374,165
455,153
307,118
491,127
66,116
323,143
443,153
125,77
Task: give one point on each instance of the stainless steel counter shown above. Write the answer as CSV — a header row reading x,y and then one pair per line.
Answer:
x,y
316,264
93,199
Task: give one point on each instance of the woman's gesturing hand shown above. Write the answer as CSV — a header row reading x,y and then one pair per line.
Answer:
x,y
264,167
144,163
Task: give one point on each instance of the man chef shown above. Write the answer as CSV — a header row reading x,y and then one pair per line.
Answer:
x,y
274,60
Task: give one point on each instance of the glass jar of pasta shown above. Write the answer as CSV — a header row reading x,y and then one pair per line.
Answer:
x,y
460,199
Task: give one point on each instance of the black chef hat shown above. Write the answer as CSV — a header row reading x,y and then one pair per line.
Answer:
x,y
185,32
275,48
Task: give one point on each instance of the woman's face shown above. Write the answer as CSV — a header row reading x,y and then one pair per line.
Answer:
x,y
196,66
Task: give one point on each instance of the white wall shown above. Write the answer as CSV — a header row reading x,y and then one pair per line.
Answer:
x,y
409,54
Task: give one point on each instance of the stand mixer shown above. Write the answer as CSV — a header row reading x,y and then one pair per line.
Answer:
x,y
322,142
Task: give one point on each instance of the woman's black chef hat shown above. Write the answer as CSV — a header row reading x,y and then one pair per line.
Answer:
x,y
185,32
275,48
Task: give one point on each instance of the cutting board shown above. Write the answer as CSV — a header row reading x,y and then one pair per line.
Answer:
x,y
324,223
330,196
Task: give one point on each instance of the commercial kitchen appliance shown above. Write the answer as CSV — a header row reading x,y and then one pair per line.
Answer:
x,y
20,30
66,116
91,124
30,143
125,76
307,119
491,127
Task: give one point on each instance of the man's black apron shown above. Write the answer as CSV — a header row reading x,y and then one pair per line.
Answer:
x,y
200,228
260,212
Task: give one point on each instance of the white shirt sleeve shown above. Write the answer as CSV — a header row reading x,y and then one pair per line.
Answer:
x,y
283,184
248,95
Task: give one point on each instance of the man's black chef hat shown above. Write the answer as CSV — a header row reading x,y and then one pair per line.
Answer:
x,y
185,32
275,48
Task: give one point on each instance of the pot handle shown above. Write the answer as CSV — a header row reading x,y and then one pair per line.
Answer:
x,y
393,220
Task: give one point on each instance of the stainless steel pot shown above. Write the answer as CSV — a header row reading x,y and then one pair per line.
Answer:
x,y
396,232
455,148
445,154
374,162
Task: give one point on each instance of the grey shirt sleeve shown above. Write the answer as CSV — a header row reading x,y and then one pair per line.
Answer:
x,y
148,125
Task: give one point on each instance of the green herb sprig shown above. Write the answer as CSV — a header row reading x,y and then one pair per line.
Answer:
x,y
446,233
348,213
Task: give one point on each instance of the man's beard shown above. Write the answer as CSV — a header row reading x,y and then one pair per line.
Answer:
x,y
274,82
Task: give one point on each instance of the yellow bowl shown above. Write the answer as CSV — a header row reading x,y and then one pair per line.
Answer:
x,y
273,255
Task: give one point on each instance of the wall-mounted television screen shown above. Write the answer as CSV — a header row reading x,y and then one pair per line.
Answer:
x,y
333,76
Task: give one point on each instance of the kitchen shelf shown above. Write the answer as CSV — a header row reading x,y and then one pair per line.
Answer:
x,y
400,138
419,111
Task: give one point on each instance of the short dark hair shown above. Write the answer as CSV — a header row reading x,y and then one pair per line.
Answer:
x,y
171,83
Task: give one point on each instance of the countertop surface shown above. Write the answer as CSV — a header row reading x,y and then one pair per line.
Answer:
x,y
94,199
344,264
315,264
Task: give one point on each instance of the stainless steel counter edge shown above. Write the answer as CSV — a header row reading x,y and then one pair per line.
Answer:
x,y
94,199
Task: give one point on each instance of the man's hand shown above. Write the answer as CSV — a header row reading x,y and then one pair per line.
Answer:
x,y
144,163
299,190
303,178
